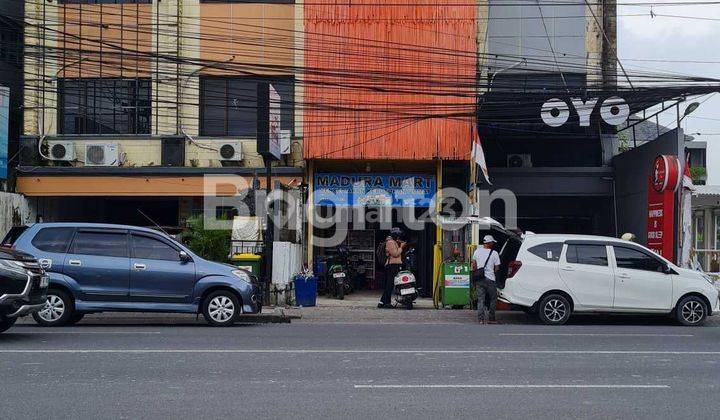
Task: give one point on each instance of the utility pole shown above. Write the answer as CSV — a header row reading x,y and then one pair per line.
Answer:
x,y
268,146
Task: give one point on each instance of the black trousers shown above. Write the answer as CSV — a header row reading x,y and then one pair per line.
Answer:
x,y
487,297
391,271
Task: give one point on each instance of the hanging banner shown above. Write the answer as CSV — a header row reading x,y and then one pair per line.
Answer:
x,y
4,121
381,190
662,187
268,122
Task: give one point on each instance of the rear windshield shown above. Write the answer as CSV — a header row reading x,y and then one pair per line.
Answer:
x,y
13,236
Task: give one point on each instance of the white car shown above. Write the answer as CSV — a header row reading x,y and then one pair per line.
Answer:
x,y
556,275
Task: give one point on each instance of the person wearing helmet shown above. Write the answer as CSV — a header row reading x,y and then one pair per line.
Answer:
x,y
393,250
485,263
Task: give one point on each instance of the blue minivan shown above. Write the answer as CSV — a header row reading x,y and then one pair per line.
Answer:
x,y
116,268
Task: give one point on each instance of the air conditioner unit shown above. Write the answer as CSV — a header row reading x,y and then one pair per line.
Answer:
x,y
61,150
519,161
101,154
285,140
230,151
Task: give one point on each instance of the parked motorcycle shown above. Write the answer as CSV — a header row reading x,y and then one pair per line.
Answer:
x,y
338,275
405,288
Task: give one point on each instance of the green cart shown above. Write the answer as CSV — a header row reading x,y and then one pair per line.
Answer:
x,y
455,284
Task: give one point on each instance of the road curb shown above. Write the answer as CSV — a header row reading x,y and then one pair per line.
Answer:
x,y
271,316
278,316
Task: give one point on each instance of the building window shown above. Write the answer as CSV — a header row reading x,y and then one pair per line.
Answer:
x,y
104,106
105,1
228,105
697,158
11,41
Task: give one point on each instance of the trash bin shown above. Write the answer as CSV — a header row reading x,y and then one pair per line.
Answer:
x,y
249,262
305,290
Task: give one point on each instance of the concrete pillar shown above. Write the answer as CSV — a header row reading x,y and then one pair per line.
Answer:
x,y
40,98
166,75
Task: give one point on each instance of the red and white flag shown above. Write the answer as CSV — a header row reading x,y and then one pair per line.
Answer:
x,y
478,155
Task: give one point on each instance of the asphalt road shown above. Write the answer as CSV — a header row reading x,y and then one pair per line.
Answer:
x,y
307,370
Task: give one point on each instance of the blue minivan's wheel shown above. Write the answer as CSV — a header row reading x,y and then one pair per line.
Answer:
x,y
59,309
6,323
221,308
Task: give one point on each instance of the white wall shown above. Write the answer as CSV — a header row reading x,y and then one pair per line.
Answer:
x,y
713,163
14,210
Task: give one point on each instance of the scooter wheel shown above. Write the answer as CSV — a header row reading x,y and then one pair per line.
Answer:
x,y
409,306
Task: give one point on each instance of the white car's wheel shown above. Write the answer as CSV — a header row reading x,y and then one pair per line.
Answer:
x,y
691,311
554,310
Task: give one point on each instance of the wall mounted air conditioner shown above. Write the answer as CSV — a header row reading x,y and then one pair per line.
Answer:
x,y
519,161
101,154
61,150
230,151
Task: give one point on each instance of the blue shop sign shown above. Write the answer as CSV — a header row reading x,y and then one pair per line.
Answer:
x,y
382,190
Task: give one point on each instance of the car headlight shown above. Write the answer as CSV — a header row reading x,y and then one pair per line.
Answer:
x,y
241,275
14,266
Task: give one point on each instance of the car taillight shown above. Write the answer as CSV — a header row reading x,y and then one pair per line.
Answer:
x,y
513,268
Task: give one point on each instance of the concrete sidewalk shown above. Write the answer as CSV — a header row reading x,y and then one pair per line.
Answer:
x,y
361,307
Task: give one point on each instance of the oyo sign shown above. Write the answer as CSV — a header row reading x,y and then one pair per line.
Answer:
x,y
613,110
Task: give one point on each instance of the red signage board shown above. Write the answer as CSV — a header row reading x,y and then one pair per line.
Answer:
x,y
662,185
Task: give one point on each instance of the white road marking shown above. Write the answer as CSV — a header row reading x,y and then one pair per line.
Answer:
x,y
82,332
510,386
321,351
590,335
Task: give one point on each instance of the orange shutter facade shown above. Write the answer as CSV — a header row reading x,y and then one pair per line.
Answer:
x,y
389,81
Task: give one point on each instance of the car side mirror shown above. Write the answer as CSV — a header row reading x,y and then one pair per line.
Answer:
x,y
184,257
667,270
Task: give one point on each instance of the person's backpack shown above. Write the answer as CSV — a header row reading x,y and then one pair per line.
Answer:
x,y
380,255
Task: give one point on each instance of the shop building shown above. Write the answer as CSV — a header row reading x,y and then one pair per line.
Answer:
x,y
560,173
130,104
388,125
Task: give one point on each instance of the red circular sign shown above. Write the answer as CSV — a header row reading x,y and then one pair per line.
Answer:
x,y
666,173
